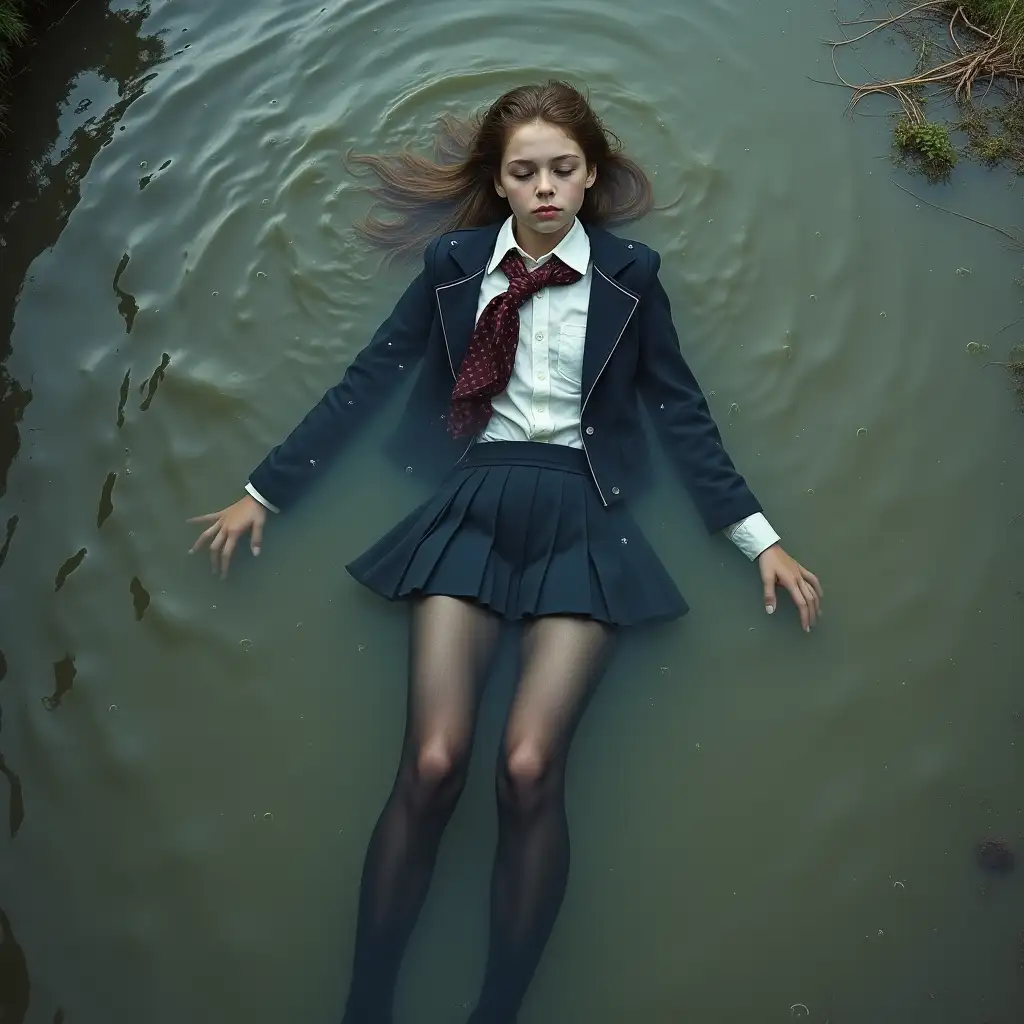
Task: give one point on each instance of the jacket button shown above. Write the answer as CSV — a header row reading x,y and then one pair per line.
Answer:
x,y
454,242
615,490
630,246
590,430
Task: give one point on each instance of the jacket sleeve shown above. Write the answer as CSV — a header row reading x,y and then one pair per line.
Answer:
x,y
681,416
372,377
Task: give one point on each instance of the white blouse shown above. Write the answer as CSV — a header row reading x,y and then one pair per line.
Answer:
x,y
542,400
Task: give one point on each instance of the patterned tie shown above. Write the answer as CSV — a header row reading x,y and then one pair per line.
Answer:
x,y
487,366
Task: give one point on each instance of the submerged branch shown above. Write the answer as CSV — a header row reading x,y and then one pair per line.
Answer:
x,y
963,216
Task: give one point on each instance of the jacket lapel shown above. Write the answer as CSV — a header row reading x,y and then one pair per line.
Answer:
x,y
458,298
611,305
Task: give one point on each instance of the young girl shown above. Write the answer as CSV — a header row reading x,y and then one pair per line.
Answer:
x,y
535,331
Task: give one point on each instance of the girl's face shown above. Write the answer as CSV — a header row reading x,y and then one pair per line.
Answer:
x,y
544,176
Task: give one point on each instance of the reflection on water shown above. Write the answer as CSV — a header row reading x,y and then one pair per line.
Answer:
x,y
44,164
106,500
150,386
14,980
16,800
766,826
126,304
68,567
140,598
12,525
64,673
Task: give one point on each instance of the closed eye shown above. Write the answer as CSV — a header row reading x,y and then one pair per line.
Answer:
x,y
562,172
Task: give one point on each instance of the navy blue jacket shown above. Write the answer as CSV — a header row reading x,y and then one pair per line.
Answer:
x,y
631,352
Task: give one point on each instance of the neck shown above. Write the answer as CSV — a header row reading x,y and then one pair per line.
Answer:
x,y
535,244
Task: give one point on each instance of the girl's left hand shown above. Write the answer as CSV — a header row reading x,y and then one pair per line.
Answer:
x,y
778,567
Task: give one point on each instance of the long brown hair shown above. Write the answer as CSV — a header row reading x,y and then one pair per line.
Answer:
x,y
422,197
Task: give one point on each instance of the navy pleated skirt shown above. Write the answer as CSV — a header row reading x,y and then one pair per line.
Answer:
x,y
518,526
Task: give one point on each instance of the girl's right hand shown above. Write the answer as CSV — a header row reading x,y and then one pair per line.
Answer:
x,y
228,525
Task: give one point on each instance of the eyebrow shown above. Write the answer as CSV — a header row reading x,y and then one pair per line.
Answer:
x,y
531,163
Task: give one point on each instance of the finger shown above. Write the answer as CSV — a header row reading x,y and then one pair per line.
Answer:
x,y
769,594
801,603
225,556
257,536
218,543
817,598
208,518
813,580
203,538
812,601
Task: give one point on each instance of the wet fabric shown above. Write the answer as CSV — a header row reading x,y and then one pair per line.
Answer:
x,y
519,528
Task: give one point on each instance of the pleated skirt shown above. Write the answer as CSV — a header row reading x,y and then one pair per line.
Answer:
x,y
519,527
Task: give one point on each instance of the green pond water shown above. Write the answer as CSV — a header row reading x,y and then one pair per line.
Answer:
x,y
767,826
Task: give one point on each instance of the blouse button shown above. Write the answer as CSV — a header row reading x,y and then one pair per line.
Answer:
x,y
590,430
615,490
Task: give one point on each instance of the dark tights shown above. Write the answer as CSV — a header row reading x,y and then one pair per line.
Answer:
x,y
452,645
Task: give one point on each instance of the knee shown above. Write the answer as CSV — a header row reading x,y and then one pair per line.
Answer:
x,y
527,777
438,772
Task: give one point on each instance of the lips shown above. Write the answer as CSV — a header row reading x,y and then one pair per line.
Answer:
x,y
547,209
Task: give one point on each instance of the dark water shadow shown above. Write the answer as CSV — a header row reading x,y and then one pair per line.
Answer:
x,y
16,807
15,987
106,500
16,804
12,525
40,185
68,567
64,673
126,304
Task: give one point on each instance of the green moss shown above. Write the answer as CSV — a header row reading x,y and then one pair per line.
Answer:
x,y
928,145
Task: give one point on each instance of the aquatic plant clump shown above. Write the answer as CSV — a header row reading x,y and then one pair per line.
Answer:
x,y
961,45
13,30
1015,367
927,143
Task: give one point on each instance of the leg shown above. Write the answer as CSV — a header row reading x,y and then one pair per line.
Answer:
x,y
563,661
451,646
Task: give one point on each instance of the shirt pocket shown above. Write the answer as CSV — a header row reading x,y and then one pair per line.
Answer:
x,y
569,355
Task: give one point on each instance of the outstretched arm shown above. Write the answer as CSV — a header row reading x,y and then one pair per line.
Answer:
x,y
373,376
684,423
283,476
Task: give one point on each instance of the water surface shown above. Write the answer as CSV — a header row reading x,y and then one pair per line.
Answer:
x,y
767,826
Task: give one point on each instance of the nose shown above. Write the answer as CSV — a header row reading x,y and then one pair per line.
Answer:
x,y
545,187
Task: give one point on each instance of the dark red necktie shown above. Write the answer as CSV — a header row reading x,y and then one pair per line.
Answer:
x,y
487,366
